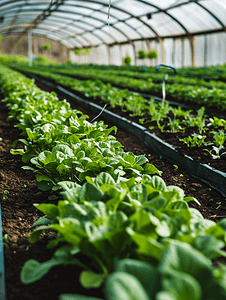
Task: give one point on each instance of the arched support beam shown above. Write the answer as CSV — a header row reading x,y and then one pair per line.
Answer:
x,y
83,22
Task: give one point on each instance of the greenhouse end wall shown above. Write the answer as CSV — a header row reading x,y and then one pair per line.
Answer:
x,y
209,49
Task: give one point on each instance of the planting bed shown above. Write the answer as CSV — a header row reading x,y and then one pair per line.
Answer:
x,y
172,138
18,215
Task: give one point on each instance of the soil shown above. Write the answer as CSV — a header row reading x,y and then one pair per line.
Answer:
x,y
18,213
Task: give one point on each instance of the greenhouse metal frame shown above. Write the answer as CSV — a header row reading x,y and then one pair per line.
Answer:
x,y
184,32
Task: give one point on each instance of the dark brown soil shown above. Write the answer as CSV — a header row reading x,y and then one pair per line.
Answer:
x,y
18,214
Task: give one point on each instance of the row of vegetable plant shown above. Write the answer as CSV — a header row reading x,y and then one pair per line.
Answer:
x,y
142,239
216,72
150,77
209,133
205,96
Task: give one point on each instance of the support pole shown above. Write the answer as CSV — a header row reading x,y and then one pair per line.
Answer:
x,y
182,52
205,50
29,48
109,54
134,51
192,44
162,50
174,53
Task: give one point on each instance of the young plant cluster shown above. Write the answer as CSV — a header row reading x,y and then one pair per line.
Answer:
x,y
141,238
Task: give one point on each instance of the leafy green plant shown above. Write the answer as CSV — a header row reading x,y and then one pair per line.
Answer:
x,y
195,140
46,47
219,137
141,54
152,54
127,60
172,278
82,51
215,152
175,125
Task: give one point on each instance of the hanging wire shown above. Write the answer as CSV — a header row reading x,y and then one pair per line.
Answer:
x,y
108,18
109,8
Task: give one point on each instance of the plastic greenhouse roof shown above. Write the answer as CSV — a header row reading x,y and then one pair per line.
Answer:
x,y
79,24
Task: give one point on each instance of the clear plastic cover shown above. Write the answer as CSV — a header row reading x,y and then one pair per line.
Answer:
x,y
90,23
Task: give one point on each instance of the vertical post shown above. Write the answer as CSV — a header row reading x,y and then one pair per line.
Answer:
x,y
120,49
148,49
192,43
205,50
93,56
182,52
162,50
109,54
29,48
134,51
173,52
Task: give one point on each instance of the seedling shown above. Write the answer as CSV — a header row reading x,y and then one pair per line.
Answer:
x,y
4,238
215,152
194,140
5,195
219,137
175,166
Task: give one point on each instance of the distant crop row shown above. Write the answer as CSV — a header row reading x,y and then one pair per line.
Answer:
x,y
149,111
199,94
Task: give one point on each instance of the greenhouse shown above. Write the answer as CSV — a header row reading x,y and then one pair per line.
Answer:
x,y
183,32
113,150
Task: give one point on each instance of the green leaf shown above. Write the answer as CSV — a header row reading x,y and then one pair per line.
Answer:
x,y
185,287
129,158
41,221
90,192
187,199
120,285
146,246
17,151
28,168
209,246
103,178
150,169
69,230
184,258
64,149
44,185
33,270
163,295
50,210
180,192
41,177
144,272
33,238
89,279
141,159
157,183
